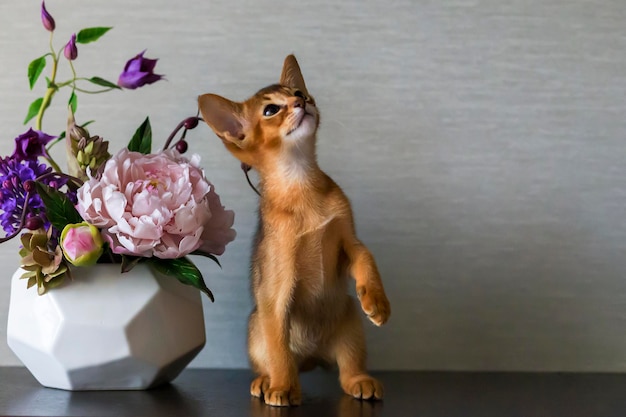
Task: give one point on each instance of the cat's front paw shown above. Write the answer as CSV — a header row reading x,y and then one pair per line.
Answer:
x,y
364,388
374,303
282,397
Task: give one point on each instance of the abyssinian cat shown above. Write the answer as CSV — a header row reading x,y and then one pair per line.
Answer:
x,y
305,247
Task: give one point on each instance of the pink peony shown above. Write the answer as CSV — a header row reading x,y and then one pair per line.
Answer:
x,y
156,205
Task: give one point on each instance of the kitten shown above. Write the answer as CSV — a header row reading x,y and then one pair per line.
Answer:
x,y
305,247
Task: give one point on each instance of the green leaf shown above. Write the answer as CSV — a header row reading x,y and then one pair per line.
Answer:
x,y
73,102
129,262
103,83
34,70
91,34
33,109
207,255
142,139
59,209
182,269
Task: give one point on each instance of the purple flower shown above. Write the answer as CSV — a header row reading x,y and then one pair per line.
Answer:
x,y
138,72
70,51
13,175
31,145
46,18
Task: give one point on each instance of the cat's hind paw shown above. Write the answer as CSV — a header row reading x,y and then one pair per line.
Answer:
x,y
374,303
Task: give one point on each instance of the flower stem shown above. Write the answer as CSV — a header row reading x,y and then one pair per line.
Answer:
x,y
44,105
47,98
54,142
94,92
72,82
22,220
174,132
52,88
53,164
77,181
177,129
73,72
246,168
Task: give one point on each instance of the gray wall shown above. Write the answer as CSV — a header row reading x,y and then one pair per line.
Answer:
x,y
481,142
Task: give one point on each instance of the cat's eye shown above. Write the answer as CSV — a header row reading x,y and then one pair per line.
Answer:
x,y
270,110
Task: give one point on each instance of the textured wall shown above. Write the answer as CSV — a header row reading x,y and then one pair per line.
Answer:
x,y
481,142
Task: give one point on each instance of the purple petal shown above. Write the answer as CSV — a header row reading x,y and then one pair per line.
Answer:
x,y
46,18
31,145
70,51
138,71
147,65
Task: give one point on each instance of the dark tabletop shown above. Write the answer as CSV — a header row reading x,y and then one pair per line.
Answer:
x,y
204,392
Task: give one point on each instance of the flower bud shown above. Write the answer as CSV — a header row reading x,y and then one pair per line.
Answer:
x,y
46,18
29,186
81,244
31,145
33,223
181,146
70,51
191,122
138,72
84,151
245,167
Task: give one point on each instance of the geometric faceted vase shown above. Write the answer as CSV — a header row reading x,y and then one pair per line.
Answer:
x,y
105,330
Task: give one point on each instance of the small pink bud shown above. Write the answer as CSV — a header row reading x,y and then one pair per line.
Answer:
x,y
70,51
81,244
46,18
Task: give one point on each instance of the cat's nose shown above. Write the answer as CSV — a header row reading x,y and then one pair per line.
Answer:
x,y
297,102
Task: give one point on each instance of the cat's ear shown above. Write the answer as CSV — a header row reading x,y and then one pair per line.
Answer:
x,y
223,116
291,75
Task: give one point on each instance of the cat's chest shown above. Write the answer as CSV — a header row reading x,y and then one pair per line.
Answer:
x,y
308,248
315,228
305,237
308,232
317,255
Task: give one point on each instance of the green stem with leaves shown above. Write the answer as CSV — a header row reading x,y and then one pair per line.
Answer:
x,y
52,88
47,98
84,36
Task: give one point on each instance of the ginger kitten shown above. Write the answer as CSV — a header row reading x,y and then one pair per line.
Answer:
x,y
305,247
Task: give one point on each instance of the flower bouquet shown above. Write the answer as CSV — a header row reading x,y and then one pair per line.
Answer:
x,y
137,210
135,206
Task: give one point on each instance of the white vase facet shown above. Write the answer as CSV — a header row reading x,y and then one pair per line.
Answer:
x,y
106,330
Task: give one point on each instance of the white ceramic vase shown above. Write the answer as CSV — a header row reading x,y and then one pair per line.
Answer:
x,y
105,330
